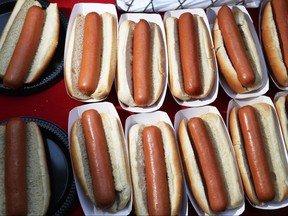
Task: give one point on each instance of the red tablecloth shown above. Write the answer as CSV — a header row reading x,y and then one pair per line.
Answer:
x,y
53,104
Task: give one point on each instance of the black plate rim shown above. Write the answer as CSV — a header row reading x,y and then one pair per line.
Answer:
x,y
72,198
46,80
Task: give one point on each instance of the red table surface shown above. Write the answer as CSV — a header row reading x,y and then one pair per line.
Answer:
x,y
53,104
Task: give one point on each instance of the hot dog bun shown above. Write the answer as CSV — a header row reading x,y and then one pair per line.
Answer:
x,y
281,108
206,59
47,45
224,156
107,62
273,150
38,187
137,165
119,162
124,78
226,68
272,48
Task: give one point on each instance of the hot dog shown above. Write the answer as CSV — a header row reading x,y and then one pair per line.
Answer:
x,y
274,34
26,185
199,61
153,147
189,51
255,152
158,202
205,150
140,52
258,148
232,42
236,51
89,67
281,106
90,64
214,183
15,175
142,63
25,49
19,66
98,156
99,160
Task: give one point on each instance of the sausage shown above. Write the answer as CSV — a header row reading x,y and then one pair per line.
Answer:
x,y
15,167
91,54
280,15
235,47
155,171
255,152
142,63
25,49
99,160
212,178
189,54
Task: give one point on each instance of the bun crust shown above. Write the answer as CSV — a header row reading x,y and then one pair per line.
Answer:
x,y
216,129
118,158
272,47
207,64
47,45
125,58
124,77
226,68
283,118
108,57
137,164
12,17
272,143
39,190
